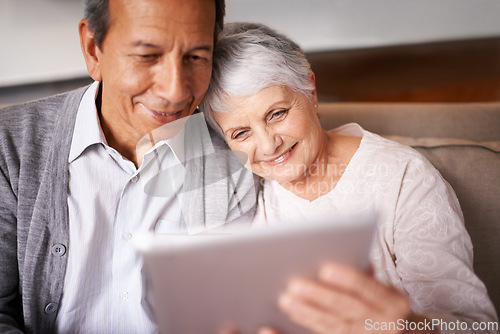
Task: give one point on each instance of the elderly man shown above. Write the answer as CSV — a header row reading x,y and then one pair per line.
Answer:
x,y
83,172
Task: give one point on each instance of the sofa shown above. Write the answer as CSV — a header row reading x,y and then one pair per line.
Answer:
x,y
463,142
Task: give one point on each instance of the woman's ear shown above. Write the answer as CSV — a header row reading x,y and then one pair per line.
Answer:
x,y
90,50
314,97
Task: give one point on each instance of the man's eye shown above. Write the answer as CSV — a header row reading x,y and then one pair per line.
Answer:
x,y
148,56
197,58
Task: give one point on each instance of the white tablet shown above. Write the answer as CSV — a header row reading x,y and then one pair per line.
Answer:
x,y
210,282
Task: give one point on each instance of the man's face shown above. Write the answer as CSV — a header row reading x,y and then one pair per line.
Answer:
x,y
155,63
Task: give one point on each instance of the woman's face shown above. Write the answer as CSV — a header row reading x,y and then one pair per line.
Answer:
x,y
278,129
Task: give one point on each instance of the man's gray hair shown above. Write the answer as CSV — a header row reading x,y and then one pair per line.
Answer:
x,y
97,14
249,57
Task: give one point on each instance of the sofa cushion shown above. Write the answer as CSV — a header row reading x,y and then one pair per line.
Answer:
x,y
473,121
473,170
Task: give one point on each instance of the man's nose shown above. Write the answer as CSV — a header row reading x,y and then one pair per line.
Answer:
x,y
172,82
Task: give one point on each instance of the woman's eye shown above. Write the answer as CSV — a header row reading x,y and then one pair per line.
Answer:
x,y
279,114
239,134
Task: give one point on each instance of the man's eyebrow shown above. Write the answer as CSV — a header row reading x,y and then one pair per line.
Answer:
x,y
205,47
145,44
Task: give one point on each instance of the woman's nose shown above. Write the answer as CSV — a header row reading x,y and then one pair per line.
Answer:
x,y
269,142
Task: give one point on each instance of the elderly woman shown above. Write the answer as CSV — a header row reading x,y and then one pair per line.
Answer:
x,y
262,100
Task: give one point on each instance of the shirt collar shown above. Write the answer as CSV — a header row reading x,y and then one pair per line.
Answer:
x,y
87,130
176,144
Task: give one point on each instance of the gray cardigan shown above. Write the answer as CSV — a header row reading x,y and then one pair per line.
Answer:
x,y
35,140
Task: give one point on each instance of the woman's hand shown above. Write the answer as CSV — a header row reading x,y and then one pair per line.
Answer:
x,y
343,300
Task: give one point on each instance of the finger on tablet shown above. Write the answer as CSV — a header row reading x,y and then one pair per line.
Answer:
x,y
309,316
329,299
353,281
366,288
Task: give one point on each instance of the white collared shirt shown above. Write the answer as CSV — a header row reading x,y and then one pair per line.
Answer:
x,y
109,202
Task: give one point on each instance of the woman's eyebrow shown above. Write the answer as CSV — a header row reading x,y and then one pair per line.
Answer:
x,y
283,103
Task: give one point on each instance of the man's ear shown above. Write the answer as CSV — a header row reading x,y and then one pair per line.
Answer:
x,y
90,50
312,80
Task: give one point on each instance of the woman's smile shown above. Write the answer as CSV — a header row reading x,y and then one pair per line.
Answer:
x,y
283,158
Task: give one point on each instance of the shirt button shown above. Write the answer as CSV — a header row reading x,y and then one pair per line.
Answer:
x,y
127,236
50,308
135,178
58,250
124,295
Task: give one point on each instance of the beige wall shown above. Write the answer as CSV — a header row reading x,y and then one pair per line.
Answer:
x,y
39,39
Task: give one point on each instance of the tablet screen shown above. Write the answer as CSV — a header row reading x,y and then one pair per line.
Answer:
x,y
215,281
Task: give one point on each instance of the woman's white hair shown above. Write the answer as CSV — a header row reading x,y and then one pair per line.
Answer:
x,y
249,57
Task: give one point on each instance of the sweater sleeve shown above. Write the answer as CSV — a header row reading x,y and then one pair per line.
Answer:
x,y
10,298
